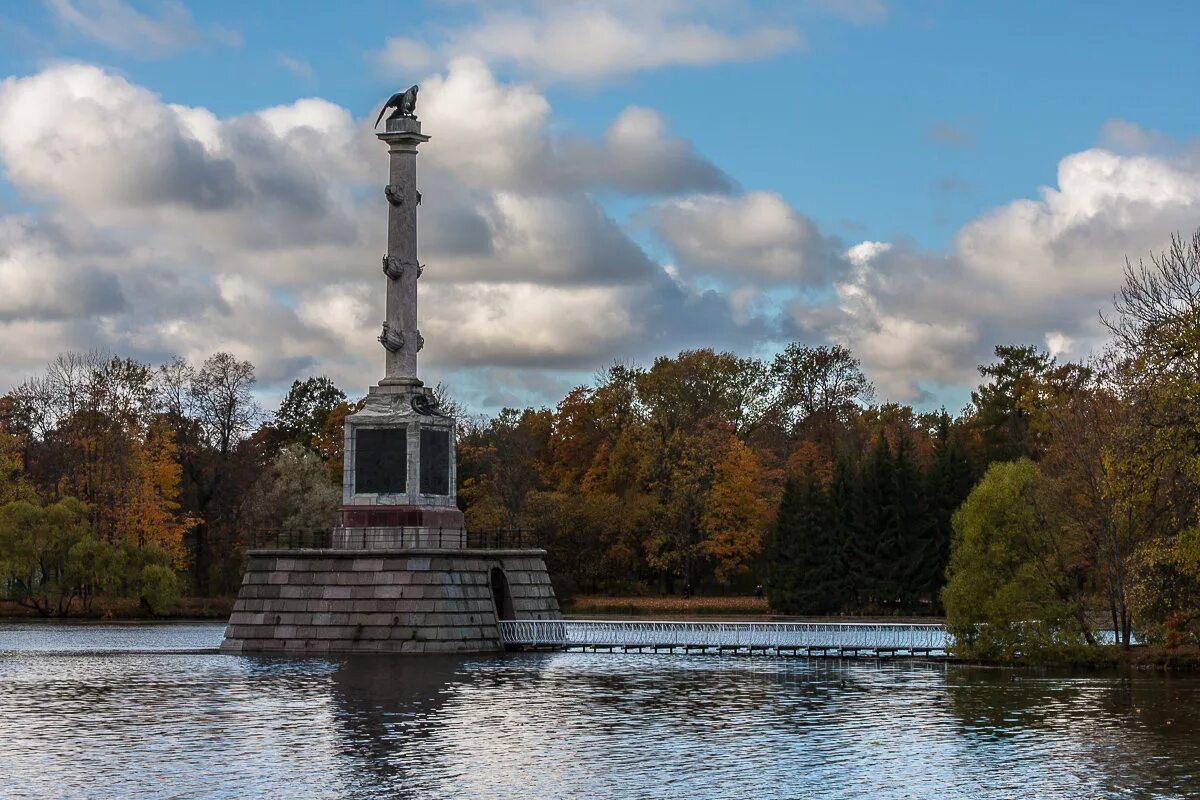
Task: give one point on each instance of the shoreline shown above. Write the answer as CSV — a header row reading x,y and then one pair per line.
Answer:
x,y
1141,659
1138,660
194,609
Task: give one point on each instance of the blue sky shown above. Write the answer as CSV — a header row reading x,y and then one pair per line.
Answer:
x,y
918,125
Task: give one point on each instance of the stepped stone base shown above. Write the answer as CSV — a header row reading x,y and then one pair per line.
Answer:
x,y
313,602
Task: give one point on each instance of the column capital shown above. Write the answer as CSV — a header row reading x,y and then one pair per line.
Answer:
x,y
402,131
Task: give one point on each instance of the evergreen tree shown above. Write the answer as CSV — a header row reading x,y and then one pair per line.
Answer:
x,y
911,537
783,549
949,480
874,544
1005,405
844,508
804,548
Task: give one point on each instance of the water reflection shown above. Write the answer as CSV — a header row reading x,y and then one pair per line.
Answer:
x,y
1096,735
576,725
388,721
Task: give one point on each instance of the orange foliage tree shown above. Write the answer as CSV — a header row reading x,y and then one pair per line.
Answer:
x,y
146,510
735,512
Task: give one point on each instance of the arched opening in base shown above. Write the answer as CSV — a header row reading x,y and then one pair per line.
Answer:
x,y
500,595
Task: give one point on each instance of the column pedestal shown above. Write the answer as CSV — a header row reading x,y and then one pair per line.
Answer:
x,y
399,474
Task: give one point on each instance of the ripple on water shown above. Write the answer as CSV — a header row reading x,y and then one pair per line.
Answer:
x,y
93,723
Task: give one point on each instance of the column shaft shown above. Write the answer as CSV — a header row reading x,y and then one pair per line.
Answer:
x,y
400,364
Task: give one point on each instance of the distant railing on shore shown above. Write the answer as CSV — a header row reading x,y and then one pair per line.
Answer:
x,y
392,537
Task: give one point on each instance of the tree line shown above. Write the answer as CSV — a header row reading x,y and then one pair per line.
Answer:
x,y
1061,501
670,479
663,479
119,479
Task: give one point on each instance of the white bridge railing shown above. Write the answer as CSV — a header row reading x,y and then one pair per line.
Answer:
x,y
822,637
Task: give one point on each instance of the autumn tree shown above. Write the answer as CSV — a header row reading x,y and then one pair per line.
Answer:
x,y
147,512
499,463
1086,452
818,389
330,442
1155,370
14,485
595,514
38,554
592,540
293,493
222,400
103,440
696,385
735,512
213,411
1164,595
681,476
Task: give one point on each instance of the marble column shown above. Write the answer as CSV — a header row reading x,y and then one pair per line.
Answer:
x,y
400,337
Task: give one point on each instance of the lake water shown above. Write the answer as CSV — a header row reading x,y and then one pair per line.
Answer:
x,y
94,711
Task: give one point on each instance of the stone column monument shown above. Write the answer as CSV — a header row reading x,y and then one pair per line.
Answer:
x,y
399,479
400,574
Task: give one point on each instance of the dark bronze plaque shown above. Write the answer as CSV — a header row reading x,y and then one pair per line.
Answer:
x,y
380,460
435,461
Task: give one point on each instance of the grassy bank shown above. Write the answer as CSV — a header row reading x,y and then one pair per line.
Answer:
x,y
1165,659
733,606
1139,658
128,609
633,606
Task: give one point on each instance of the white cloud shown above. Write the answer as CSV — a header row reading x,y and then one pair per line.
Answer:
x,y
640,157
510,149
539,237
1059,344
589,41
863,253
404,55
298,67
516,150
36,283
523,324
1028,272
756,236
1125,136
115,24
1063,246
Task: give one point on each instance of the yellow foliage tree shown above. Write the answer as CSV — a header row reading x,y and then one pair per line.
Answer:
x,y
735,512
13,485
146,513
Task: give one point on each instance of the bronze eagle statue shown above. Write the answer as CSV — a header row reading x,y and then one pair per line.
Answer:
x,y
404,103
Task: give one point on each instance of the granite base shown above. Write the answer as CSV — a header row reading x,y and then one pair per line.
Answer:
x,y
314,602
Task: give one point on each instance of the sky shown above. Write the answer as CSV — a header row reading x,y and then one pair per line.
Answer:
x,y
606,181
